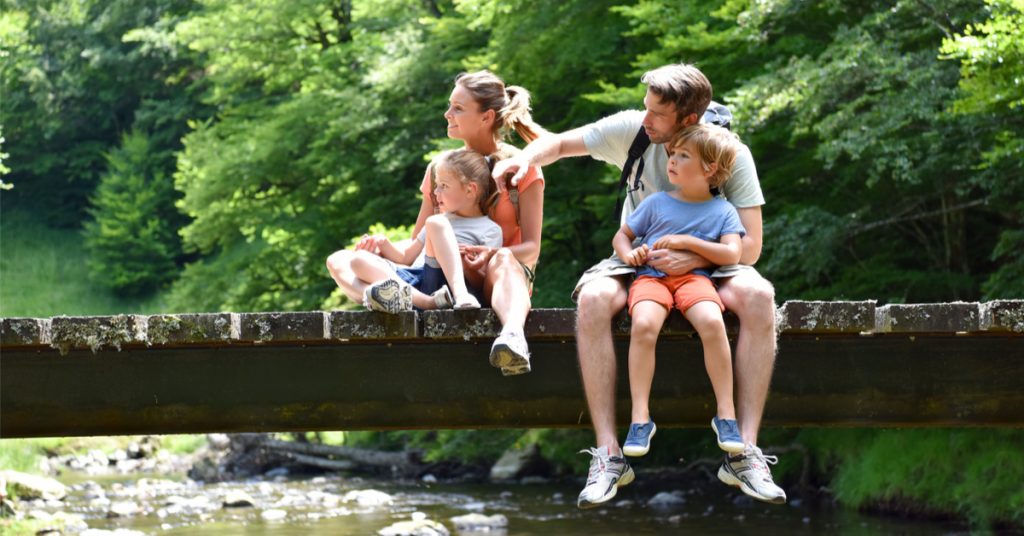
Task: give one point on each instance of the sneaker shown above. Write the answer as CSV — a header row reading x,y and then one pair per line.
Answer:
x,y
727,432
510,353
749,472
468,301
607,474
388,296
443,298
638,440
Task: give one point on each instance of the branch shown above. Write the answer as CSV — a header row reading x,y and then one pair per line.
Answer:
x,y
900,219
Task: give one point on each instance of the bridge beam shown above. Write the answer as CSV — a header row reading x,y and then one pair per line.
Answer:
x,y
839,364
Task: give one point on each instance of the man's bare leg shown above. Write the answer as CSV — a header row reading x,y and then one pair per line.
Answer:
x,y
599,301
752,298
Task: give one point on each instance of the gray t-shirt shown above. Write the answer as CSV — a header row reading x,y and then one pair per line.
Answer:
x,y
478,231
609,139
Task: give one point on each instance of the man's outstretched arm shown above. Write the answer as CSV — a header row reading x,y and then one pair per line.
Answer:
x,y
541,152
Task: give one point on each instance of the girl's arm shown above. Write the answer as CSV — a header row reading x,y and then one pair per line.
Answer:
x,y
726,251
405,253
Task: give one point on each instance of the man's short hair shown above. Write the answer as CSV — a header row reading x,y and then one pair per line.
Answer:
x,y
681,84
714,144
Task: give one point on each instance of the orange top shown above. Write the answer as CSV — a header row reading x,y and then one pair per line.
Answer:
x,y
504,212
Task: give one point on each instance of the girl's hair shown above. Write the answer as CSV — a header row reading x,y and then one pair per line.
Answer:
x,y
471,167
714,145
511,104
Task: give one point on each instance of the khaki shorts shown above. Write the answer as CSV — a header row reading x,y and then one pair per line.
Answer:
x,y
614,267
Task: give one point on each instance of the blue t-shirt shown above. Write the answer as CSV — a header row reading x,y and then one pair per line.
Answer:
x,y
661,215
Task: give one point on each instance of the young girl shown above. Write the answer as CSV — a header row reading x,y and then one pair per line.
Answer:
x,y
464,190
689,218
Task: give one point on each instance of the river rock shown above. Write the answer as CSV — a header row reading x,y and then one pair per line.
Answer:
x,y
666,499
274,514
28,486
518,462
368,497
238,499
117,532
123,509
479,522
417,527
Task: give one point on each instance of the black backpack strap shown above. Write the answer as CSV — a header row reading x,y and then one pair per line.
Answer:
x,y
635,155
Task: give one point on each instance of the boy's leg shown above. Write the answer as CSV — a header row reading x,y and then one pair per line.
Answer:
x,y
706,317
650,303
442,245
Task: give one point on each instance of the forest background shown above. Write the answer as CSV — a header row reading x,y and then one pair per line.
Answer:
x,y
207,155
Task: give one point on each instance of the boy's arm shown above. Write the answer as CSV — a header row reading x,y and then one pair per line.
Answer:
x,y
623,244
726,251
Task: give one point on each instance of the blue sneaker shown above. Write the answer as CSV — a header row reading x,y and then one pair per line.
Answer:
x,y
638,440
727,432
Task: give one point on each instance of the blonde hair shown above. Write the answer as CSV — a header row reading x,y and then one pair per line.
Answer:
x,y
470,167
511,104
715,145
681,84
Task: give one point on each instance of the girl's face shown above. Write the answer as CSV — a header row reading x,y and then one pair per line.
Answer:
x,y
454,196
465,119
685,168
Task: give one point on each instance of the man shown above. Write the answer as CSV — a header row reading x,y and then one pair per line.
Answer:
x,y
677,96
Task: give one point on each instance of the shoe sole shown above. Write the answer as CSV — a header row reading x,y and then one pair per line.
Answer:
x,y
503,357
627,478
515,371
732,447
730,479
635,451
388,298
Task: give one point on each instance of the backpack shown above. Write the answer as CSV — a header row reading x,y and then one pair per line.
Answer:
x,y
716,114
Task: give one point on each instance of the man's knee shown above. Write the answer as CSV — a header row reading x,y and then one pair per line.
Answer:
x,y
600,299
749,295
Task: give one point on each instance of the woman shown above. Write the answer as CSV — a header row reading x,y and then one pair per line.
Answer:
x,y
481,110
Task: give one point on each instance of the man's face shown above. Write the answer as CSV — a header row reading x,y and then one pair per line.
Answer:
x,y
660,122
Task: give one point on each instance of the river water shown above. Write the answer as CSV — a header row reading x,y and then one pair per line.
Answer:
x,y
327,505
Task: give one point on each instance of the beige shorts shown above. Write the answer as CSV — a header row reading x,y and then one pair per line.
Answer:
x,y
614,267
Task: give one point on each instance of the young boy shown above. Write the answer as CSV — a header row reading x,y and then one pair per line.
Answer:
x,y
689,218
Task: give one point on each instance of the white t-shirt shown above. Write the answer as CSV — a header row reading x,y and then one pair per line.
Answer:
x,y
478,231
609,139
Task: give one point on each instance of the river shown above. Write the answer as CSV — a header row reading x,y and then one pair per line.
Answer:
x,y
329,505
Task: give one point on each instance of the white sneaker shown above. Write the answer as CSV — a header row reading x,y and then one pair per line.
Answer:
x,y
510,353
607,474
468,301
388,296
442,298
749,472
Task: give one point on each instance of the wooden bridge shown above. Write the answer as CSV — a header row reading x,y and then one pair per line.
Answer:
x,y
839,363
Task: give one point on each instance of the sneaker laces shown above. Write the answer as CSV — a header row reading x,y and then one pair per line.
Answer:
x,y
759,461
598,464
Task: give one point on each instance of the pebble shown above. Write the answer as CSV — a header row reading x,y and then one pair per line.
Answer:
x,y
666,499
273,514
368,497
479,522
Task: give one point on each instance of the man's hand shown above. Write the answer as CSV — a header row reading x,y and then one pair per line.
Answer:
x,y
679,242
637,256
516,165
675,262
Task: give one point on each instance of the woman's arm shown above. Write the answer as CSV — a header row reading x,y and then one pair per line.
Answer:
x,y
531,221
726,251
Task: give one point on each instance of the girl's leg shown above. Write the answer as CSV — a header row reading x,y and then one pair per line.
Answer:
x,y
369,268
509,292
339,264
441,244
647,317
706,318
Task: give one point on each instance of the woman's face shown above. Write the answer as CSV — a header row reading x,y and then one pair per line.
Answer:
x,y
465,119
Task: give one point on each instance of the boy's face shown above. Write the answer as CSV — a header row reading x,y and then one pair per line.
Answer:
x,y
685,168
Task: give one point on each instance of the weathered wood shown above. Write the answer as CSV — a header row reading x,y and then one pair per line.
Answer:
x,y
829,372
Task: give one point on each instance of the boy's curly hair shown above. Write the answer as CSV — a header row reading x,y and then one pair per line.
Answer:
x,y
714,145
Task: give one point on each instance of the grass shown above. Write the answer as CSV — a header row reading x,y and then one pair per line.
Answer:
x,y
43,273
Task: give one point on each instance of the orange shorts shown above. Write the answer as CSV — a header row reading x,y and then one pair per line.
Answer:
x,y
682,291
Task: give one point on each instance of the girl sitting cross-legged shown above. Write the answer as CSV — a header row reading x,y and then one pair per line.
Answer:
x,y
464,190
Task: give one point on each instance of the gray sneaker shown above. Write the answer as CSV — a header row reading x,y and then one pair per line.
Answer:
x,y
607,474
388,296
510,353
749,472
